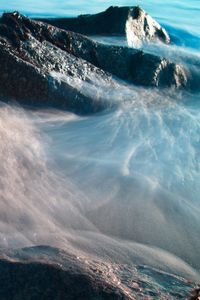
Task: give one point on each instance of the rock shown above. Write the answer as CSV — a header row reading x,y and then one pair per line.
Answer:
x,y
38,276
134,21
140,27
48,273
109,22
32,54
195,295
29,53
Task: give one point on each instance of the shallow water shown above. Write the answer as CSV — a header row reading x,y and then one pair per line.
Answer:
x,y
122,185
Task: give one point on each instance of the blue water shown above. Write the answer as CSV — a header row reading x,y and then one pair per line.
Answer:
x,y
180,17
184,14
131,173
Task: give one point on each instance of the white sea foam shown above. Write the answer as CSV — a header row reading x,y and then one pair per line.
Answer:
x,y
121,185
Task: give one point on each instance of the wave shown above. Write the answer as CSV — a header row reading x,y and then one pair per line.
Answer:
x,y
120,186
142,166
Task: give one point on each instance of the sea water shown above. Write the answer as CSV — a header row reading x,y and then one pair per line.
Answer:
x,y
181,14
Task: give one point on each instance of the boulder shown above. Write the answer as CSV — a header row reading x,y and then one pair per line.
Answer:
x,y
32,54
48,273
37,275
29,54
141,27
133,21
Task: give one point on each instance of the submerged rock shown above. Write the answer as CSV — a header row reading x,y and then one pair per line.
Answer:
x,y
134,21
32,53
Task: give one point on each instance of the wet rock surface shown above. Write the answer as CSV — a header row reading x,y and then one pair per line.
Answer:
x,y
35,280
109,22
140,27
27,58
30,52
115,21
49,273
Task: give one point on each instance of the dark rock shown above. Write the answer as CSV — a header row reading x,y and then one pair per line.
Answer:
x,y
48,273
112,21
38,276
31,53
116,21
195,294
28,59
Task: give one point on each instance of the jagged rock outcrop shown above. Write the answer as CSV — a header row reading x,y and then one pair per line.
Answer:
x,y
48,273
31,52
141,27
134,21
38,275
28,55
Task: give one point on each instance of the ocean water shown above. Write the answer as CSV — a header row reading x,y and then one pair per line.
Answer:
x,y
122,185
182,14
180,17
